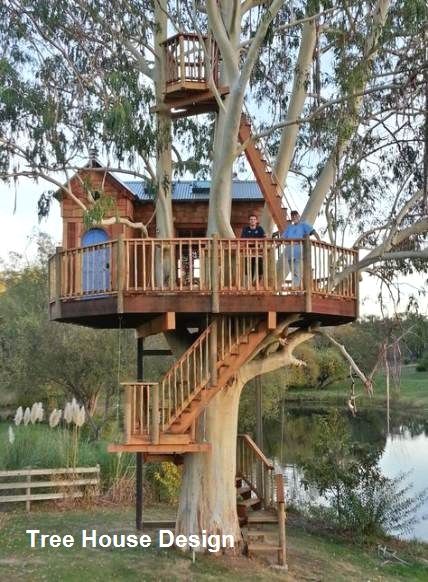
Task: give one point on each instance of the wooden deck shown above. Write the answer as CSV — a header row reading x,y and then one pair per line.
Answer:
x,y
135,280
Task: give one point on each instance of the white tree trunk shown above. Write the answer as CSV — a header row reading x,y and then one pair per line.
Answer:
x,y
208,493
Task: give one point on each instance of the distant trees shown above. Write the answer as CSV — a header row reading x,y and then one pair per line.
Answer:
x,y
40,360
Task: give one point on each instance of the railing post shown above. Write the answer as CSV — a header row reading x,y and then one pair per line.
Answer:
x,y
307,273
182,62
213,353
128,412
155,414
281,519
58,257
215,281
356,276
120,270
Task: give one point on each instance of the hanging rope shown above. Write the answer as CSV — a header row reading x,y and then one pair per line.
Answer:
x,y
352,401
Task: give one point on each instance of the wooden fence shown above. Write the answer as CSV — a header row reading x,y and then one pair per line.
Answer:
x,y
54,484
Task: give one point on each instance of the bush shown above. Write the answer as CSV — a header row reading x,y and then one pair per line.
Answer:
x,y
422,365
362,500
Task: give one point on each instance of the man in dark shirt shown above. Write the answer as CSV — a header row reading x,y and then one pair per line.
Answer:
x,y
253,268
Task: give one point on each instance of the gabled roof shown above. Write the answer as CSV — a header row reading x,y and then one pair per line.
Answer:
x,y
194,190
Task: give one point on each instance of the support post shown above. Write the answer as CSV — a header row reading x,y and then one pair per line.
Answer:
x,y
139,491
282,554
259,436
139,456
215,280
120,266
307,273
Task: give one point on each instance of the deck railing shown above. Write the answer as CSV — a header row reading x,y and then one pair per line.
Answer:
x,y
204,265
258,471
186,59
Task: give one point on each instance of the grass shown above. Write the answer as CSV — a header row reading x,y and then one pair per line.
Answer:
x,y
413,392
311,555
40,446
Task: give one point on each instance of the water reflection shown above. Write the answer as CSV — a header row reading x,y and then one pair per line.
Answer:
x,y
405,449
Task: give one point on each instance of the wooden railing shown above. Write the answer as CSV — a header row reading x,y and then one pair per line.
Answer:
x,y
151,407
258,471
186,59
47,484
167,265
204,265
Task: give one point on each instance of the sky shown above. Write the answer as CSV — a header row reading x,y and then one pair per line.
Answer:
x,y
17,229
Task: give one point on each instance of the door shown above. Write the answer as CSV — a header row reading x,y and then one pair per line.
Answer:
x,y
96,262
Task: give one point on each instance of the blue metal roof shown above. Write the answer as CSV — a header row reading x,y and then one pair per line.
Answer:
x,y
192,190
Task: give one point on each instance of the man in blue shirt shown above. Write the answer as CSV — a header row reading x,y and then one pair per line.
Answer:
x,y
297,230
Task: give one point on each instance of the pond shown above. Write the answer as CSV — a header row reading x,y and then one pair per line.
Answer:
x,y
402,449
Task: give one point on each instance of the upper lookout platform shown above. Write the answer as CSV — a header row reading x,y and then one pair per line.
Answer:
x,y
132,282
192,71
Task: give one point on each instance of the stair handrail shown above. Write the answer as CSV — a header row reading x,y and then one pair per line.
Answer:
x,y
178,365
267,462
265,153
260,477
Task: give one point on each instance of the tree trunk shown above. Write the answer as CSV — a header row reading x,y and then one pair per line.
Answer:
x,y
208,493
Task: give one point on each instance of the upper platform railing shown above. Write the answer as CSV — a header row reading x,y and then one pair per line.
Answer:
x,y
204,266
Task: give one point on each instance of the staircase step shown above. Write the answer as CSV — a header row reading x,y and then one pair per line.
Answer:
x,y
249,502
255,536
255,519
263,548
243,490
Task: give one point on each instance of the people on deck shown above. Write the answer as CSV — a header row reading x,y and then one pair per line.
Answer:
x,y
296,231
253,268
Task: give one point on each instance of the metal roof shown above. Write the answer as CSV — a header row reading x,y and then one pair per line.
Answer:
x,y
193,190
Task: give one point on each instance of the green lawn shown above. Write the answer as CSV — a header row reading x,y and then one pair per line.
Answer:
x,y
413,392
311,556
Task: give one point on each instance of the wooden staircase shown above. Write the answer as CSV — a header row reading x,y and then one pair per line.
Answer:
x,y
264,174
160,417
260,503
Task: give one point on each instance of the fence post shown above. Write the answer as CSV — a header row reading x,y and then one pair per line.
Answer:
x,y
28,492
307,273
120,269
215,282
155,414
281,519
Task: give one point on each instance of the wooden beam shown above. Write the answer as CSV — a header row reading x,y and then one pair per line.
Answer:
x,y
160,449
271,319
163,322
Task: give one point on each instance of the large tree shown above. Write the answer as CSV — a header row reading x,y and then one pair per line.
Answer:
x,y
337,91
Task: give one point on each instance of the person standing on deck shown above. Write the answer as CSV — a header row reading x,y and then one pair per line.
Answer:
x,y
253,230
297,230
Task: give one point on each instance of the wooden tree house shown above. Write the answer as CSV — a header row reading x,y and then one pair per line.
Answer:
x,y
212,285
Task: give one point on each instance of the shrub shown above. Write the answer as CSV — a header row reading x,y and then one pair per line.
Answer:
x,y
361,499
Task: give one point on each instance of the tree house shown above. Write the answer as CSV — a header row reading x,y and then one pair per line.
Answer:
x,y
192,71
233,292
